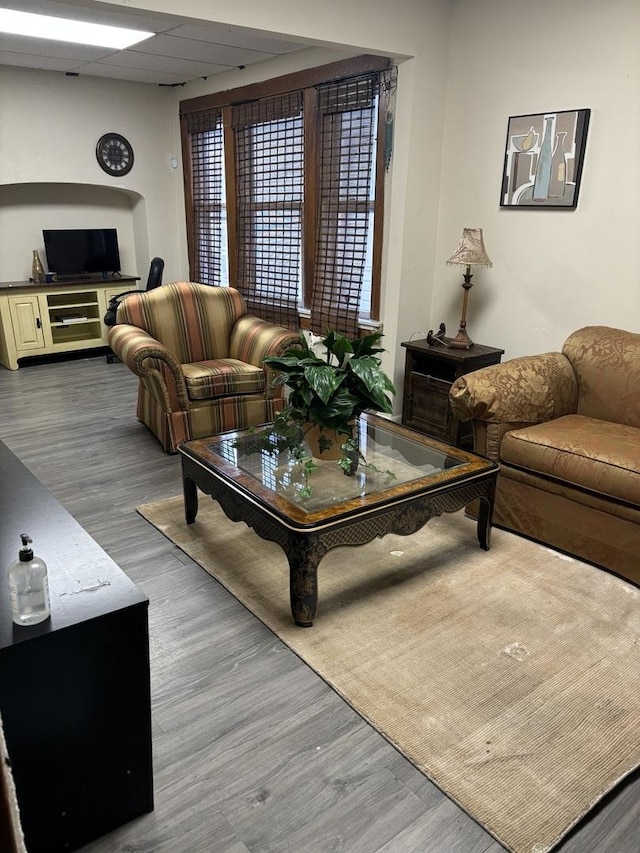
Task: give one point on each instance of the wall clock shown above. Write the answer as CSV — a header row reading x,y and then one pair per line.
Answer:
x,y
115,154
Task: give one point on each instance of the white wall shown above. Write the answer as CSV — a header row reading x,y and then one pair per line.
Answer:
x,y
27,209
554,270
49,127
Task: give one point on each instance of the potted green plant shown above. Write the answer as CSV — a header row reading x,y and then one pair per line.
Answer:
x,y
328,394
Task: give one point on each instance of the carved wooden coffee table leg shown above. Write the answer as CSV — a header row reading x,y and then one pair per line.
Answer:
x,y
304,556
485,517
190,491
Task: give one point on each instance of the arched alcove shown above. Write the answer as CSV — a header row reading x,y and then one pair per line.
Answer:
x,y
26,209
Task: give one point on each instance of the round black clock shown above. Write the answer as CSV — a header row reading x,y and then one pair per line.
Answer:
x,y
114,154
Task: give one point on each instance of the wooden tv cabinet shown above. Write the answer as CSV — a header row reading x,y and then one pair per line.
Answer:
x,y
57,317
75,694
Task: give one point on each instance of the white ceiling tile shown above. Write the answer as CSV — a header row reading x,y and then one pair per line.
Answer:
x,y
135,75
224,34
201,51
178,66
28,60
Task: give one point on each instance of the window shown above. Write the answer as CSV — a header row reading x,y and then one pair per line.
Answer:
x,y
269,153
297,159
208,225
347,129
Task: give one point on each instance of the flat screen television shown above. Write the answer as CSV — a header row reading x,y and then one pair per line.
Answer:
x,y
78,251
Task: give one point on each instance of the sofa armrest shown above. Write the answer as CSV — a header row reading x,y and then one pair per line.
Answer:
x,y
152,362
253,339
523,391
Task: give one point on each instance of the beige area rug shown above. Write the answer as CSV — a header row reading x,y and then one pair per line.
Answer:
x,y
511,678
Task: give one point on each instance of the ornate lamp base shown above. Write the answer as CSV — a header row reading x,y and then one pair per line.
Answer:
x,y
461,340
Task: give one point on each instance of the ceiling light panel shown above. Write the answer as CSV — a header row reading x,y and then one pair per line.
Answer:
x,y
63,29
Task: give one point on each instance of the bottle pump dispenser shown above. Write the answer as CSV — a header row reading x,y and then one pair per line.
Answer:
x,y
28,586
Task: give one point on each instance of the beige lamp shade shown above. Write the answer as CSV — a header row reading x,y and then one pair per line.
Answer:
x,y
470,251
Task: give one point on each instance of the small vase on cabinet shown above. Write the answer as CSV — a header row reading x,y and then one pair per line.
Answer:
x,y
37,270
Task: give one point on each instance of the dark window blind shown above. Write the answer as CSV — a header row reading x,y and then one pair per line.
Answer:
x,y
347,129
208,198
303,228
269,150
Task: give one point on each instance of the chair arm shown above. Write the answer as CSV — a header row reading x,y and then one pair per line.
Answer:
x,y
152,362
253,339
523,391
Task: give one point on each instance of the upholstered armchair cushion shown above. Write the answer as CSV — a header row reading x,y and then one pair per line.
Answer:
x,y
199,357
222,377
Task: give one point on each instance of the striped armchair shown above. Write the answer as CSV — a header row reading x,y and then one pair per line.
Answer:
x,y
199,358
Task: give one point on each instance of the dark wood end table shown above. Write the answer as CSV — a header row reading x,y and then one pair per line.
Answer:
x,y
430,370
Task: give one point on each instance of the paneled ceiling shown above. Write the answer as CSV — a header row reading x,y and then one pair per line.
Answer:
x,y
182,50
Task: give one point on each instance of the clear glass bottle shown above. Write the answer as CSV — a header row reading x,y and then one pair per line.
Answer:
x,y
28,586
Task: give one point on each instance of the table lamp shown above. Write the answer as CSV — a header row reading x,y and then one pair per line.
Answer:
x,y
469,252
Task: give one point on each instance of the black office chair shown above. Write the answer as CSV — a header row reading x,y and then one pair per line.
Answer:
x,y
154,279
155,273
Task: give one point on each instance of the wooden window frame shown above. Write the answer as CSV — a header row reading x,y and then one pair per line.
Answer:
x,y
304,81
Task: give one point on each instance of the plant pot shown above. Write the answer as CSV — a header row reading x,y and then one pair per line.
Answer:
x,y
312,437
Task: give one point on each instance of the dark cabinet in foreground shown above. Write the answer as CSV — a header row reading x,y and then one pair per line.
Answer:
x,y
430,371
74,690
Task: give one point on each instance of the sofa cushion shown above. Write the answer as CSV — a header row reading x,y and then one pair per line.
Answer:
x,y
222,377
600,456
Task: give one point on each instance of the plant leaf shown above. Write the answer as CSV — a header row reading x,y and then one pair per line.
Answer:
x,y
282,362
323,379
339,346
367,345
375,382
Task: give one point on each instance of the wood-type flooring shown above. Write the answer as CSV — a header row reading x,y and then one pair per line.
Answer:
x,y
253,752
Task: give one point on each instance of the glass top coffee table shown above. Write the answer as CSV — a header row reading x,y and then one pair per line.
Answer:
x,y
408,478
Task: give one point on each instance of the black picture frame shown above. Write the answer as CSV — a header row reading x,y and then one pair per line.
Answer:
x,y
543,160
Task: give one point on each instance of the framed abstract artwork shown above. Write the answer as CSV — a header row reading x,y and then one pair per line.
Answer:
x,y
543,159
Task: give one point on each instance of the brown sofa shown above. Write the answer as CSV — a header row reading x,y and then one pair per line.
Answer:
x,y
565,427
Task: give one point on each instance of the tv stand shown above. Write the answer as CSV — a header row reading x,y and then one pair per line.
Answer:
x,y
88,276
68,278
38,318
